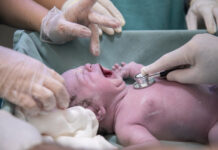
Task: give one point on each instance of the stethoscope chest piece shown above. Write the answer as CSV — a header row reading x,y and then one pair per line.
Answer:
x,y
143,81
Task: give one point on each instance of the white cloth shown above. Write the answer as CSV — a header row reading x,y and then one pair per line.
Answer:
x,y
16,134
75,127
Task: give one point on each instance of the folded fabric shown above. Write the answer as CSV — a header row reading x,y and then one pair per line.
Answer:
x,y
16,134
75,127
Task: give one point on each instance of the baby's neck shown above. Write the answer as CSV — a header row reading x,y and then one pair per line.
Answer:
x,y
111,110
131,94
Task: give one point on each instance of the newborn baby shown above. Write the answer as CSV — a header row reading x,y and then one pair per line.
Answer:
x,y
164,111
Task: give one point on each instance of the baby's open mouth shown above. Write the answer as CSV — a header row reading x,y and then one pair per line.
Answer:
x,y
106,72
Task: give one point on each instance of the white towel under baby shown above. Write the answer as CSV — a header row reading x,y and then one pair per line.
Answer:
x,y
75,127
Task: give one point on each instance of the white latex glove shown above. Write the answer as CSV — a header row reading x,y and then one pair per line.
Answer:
x,y
29,84
201,53
16,134
107,8
104,7
203,9
78,20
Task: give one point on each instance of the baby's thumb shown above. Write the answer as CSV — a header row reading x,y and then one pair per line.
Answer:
x,y
183,76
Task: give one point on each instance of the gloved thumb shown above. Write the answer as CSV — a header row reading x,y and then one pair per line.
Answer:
x,y
188,75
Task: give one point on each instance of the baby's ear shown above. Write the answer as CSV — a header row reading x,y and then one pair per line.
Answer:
x,y
101,113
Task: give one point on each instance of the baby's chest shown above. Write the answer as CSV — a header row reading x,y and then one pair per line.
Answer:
x,y
161,110
140,110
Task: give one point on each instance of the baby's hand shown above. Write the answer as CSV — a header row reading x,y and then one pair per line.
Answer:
x,y
127,70
120,70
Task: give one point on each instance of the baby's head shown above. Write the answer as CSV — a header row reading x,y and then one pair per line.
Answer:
x,y
93,86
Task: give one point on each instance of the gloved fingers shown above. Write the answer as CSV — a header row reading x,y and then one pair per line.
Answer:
x,y
94,42
215,13
74,29
107,30
59,90
84,5
28,104
55,75
103,20
118,30
100,31
102,10
167,61
188,75
44,97
209,20
191,21
113,10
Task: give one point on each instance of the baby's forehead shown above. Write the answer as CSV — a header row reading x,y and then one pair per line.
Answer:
x,y
77,69
70,79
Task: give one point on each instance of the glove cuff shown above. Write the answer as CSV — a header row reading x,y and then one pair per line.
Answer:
x,y
45,25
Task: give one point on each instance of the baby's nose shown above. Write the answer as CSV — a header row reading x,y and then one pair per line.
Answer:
x,y
88,67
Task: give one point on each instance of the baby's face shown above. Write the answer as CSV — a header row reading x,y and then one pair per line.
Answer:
x,y
90,84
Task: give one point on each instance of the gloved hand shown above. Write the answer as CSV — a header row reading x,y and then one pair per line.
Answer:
x,y
79,19
203,9
107,8
201,53
30,84
104,7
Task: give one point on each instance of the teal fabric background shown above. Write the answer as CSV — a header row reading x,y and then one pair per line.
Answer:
x,y
140,46
152,14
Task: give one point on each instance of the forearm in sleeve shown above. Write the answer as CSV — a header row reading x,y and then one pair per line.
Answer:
x,y
26,14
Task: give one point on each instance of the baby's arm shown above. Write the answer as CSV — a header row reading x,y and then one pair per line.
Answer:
x,y
135,134
127,70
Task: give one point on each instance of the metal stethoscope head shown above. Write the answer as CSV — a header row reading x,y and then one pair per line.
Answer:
x,y
143,81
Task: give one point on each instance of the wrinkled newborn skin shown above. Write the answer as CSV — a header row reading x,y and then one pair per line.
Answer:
x,y
164,111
